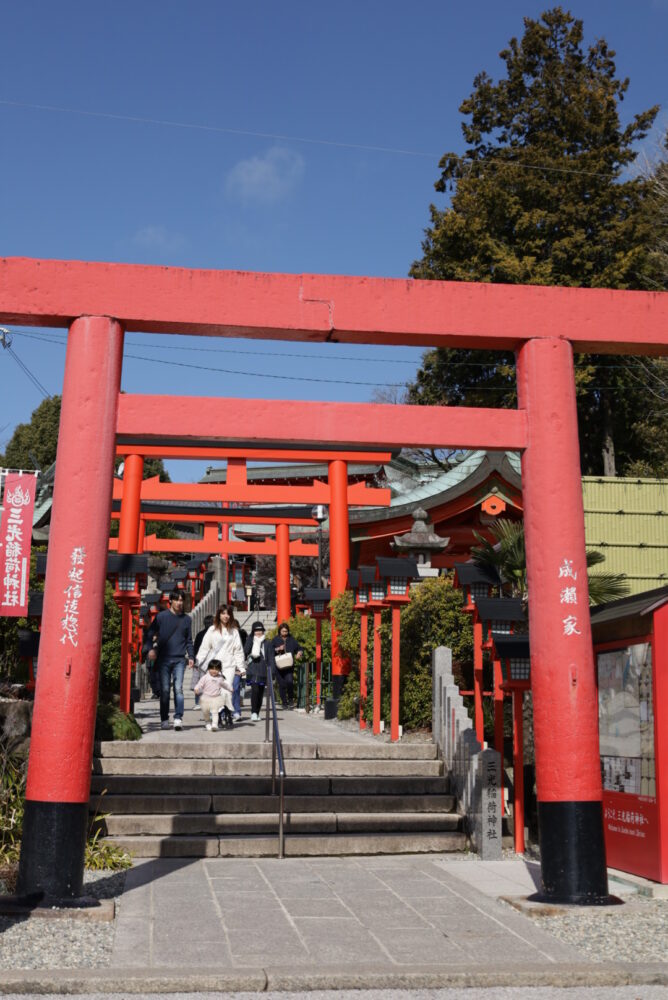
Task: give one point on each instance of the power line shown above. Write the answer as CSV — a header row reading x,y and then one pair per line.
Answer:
x,y
6,342
329,381
168,123
313,357
222,350
270,375
396,151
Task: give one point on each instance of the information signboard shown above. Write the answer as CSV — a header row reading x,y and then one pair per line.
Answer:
x,y
628,766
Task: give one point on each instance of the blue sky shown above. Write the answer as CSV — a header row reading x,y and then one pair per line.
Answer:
x,y
294,136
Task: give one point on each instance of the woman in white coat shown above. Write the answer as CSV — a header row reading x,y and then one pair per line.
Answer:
x,y
222,642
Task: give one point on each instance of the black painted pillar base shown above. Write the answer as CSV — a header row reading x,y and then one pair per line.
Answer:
x,y
338,684
572,853
53,848
332,704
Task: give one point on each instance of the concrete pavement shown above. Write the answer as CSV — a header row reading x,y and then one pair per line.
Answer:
x,y
329,923
322,923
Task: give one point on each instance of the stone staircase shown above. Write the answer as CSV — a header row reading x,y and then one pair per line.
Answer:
x,y
213,798
247,618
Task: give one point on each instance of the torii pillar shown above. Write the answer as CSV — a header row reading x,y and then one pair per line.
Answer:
x,y
339,559
128,542
563,678
61,748
282,572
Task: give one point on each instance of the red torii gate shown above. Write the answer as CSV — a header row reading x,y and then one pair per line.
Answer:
x,y
541,324
132,533
337,493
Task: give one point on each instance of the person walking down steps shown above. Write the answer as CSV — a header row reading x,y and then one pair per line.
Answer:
x,y
171,644
214,694
197,642
286,652
259,655
221,642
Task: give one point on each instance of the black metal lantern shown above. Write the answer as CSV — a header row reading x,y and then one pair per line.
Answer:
x,y
130,572
476,581
361,582
153,602
501,615
317,599
397,576
514,653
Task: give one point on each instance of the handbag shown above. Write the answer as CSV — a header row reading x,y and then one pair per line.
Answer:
x,y
284,660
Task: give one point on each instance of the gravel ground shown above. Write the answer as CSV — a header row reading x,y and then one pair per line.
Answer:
x,y
35,943
635,932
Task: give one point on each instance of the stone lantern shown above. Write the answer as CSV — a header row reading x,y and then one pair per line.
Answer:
x,y
420,543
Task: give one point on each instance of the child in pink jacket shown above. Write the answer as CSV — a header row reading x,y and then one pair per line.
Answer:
x,y
214,694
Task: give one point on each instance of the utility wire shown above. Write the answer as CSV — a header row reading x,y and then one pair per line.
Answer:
x,y
330,381
168,123
312,357
6,342
271,375
222,350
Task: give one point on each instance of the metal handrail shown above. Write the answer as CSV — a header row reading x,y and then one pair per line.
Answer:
x,y
276,753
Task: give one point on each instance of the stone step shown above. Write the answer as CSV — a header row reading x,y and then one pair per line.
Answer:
x,y
296,845
216,747
146,784
159,767
188,824
178,804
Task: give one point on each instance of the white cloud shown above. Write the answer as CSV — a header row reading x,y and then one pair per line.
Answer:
x,y
158,238
265,179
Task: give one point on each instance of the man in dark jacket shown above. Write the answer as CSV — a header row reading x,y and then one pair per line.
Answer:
x,y
171,644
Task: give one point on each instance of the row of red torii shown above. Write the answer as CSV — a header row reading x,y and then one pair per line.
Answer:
x,y
543,326
136,494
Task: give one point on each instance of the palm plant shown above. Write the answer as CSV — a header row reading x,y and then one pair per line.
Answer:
x,y
507,555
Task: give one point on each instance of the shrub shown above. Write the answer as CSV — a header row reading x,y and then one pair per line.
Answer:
x,y
101,855
13,773
110,651
416,699
350,698
347,626
302,628
112,724
433,618
13,770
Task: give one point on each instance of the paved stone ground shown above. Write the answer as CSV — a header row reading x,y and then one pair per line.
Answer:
x,y
495,993
417,923
294,725
380,912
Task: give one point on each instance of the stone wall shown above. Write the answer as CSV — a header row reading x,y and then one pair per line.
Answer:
x,y
475,772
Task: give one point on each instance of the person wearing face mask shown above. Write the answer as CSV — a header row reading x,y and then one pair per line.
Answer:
x,y
259,655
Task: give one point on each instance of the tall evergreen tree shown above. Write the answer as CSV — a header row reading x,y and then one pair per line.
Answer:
x,y
537,199
34,444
